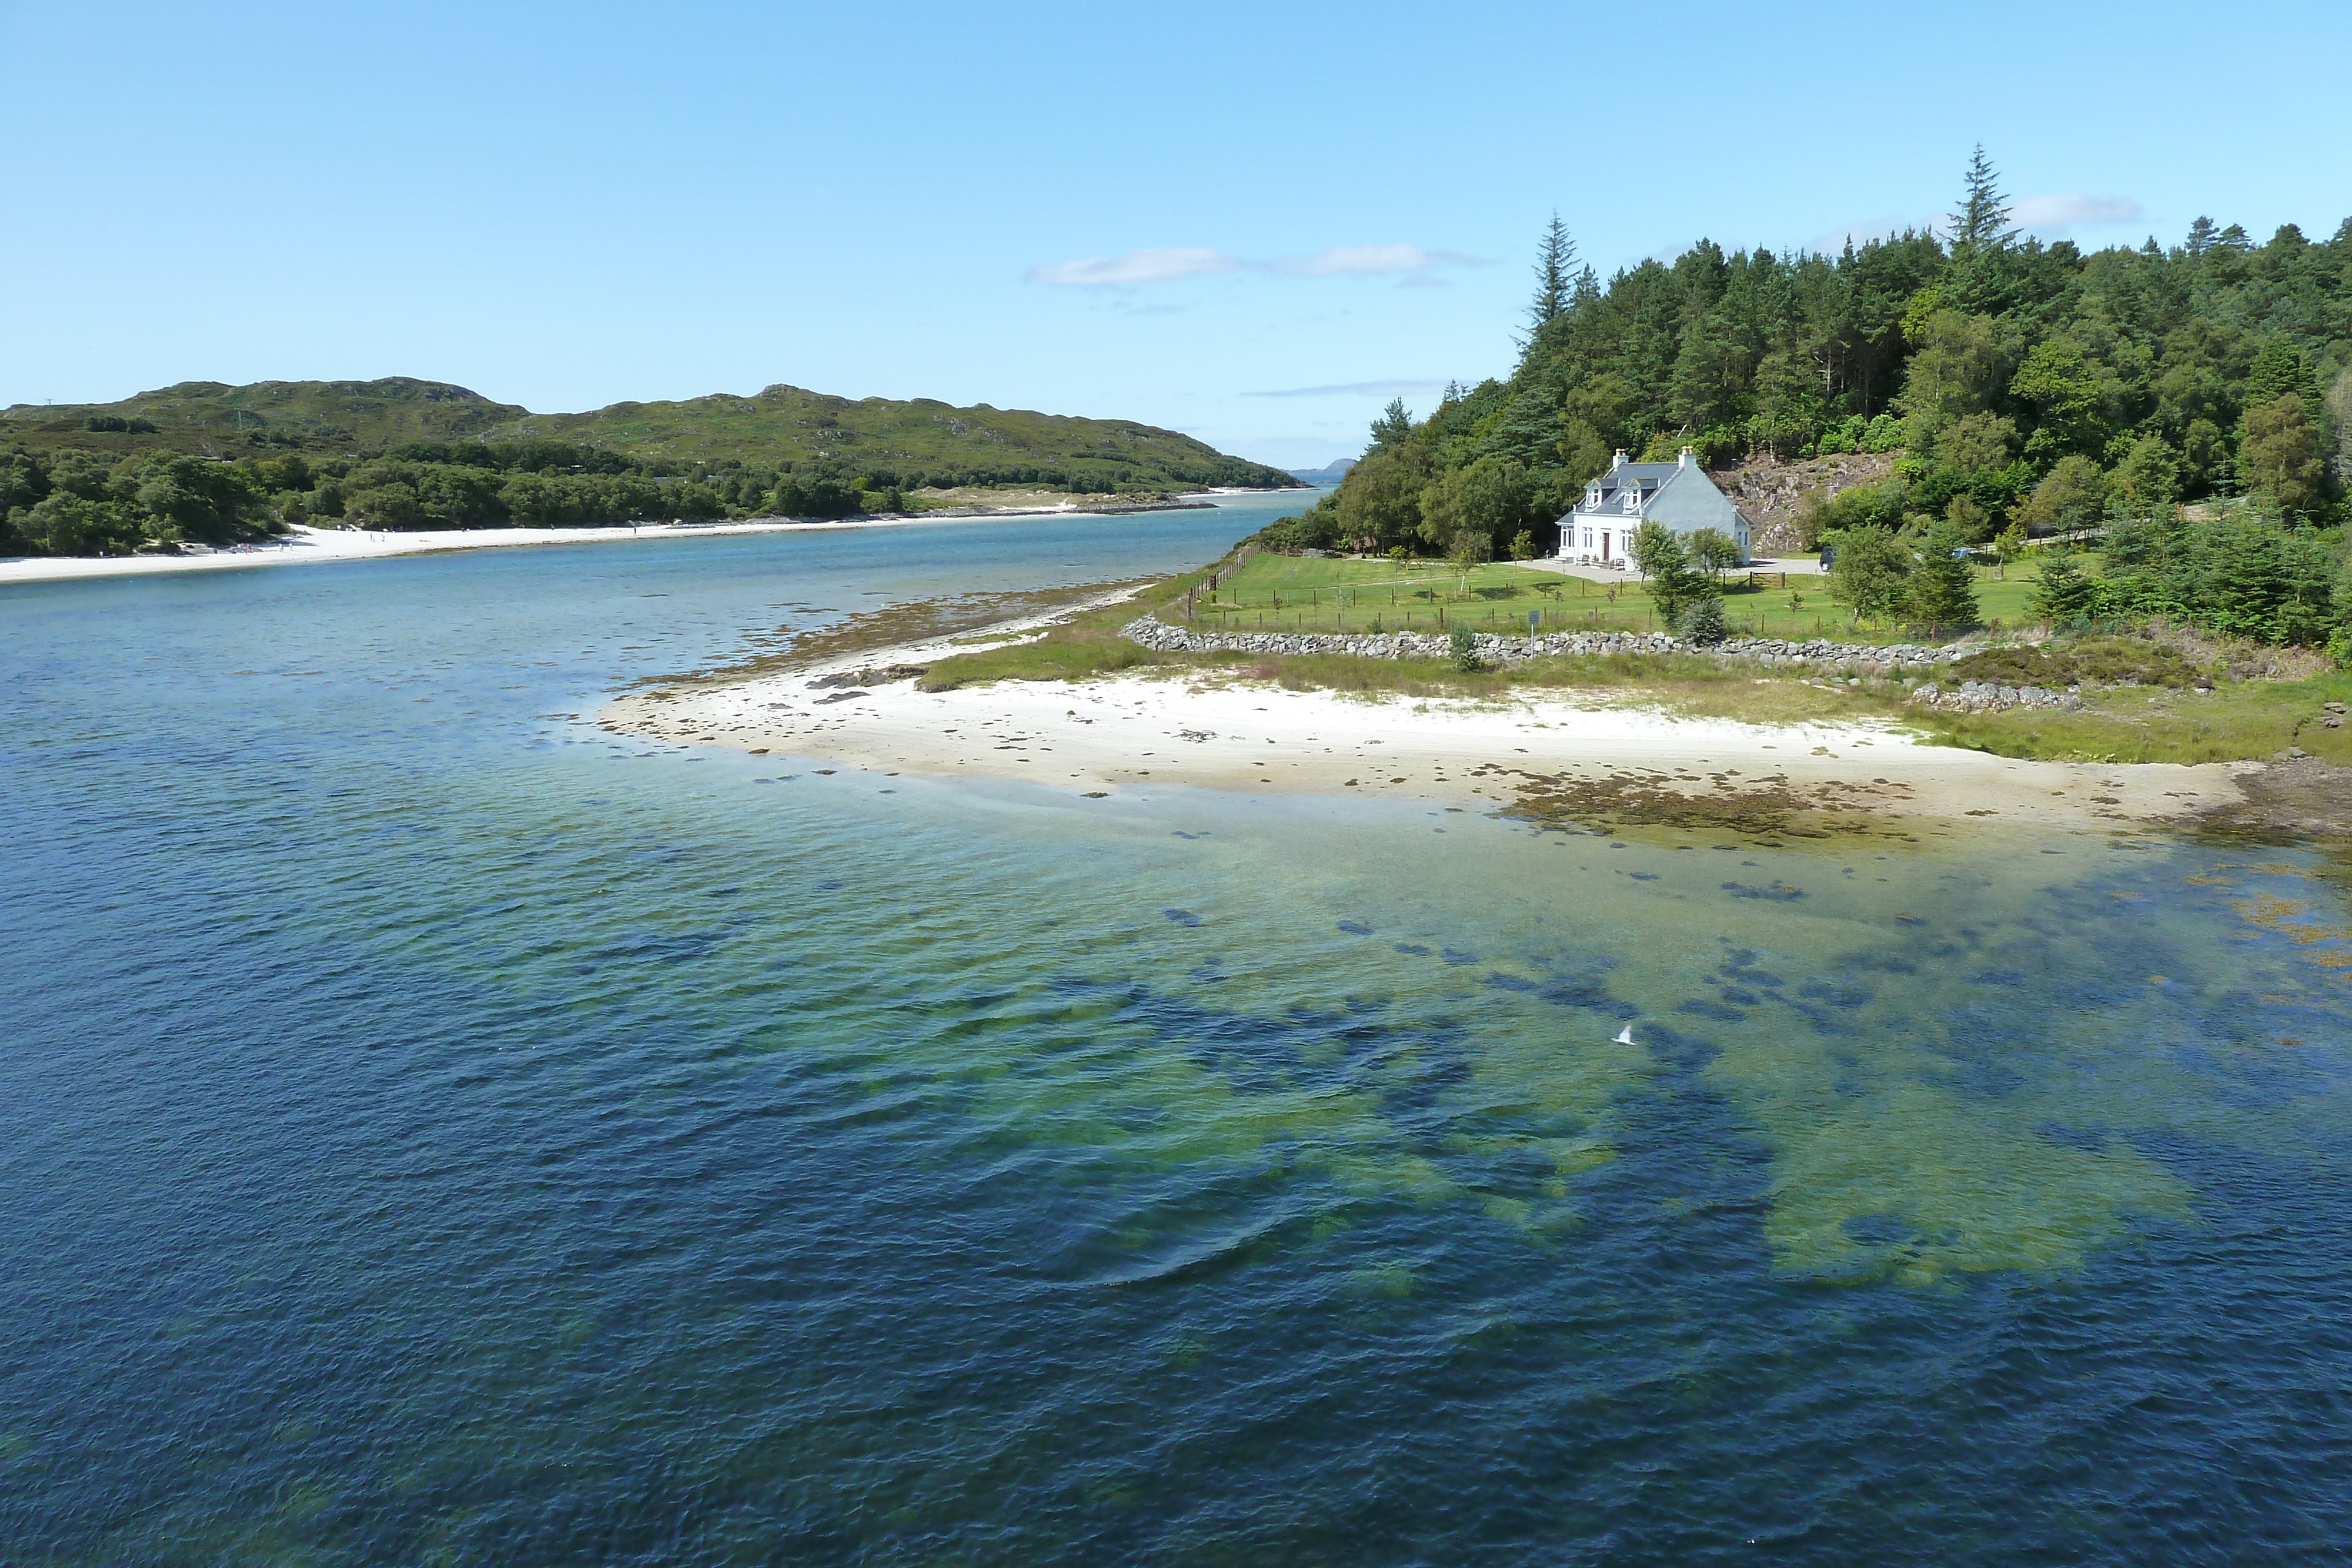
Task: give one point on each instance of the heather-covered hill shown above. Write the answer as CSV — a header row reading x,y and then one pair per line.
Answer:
x,y
909,445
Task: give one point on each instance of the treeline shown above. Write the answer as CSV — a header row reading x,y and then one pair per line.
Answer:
x,y
2245,574
71,502
65,501
68,502
2022,384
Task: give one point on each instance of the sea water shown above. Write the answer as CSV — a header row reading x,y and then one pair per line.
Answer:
x,y
436,1130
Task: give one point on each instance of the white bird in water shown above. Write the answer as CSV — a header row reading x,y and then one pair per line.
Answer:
x,y
1624,1036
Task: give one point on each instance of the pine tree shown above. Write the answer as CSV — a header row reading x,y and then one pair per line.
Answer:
x,y
1555,276
1943,588
2279,371
1982,222
2201,236
2064,593
1394,426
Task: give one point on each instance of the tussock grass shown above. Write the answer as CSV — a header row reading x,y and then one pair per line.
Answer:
x,y
2238,721
2106,659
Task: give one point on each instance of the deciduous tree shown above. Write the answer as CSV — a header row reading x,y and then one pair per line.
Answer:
x,y
1872,572
2071,496
1713,552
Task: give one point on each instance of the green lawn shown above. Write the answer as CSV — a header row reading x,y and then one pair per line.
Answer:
x,y
1290,593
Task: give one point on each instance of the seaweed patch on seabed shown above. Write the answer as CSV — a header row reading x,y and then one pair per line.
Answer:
x,y
786,649
2303,802
1768,810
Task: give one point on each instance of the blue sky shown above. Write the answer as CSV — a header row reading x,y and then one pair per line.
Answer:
x,y
1255,224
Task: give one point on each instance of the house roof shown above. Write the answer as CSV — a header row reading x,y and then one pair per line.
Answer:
x,y
1627,471
1651,476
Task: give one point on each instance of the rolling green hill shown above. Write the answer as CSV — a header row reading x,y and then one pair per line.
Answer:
x,y
912,444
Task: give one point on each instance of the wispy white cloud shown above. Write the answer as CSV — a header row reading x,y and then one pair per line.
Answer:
x,y
2062,209
1357,389
1171,264
1869,229
1370,261
2051,212
1165,265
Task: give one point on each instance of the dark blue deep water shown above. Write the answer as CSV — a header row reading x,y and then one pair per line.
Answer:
x,y
433,1130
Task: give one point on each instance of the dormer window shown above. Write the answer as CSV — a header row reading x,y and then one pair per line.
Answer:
x,y
1633,498
1592,495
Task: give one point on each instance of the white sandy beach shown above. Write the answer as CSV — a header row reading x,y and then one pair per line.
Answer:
x,y
311,546
308,545
1135,731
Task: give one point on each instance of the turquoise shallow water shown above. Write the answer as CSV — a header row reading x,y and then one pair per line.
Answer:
x,y
435,1132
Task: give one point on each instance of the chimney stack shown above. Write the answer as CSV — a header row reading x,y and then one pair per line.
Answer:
x,y
1617,461
1689,457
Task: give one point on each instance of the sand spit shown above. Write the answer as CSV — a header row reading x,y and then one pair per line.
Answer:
x,y
1539,755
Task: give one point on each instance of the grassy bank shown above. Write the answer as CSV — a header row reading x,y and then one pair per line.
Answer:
x,y
1292,594
2235,721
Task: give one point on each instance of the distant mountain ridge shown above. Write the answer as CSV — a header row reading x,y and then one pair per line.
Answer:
x,y
1329,473
914,442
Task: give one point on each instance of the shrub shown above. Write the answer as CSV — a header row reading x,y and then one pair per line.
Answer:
x,y
2106,661
1864,507
1465,649
1702,622
1883,434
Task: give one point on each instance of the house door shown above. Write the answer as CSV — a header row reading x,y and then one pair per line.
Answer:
x,y
1604,544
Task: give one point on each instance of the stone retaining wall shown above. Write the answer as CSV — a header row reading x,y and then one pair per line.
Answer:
x,y
1854,658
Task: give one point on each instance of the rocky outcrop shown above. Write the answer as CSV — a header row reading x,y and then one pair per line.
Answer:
x,y
1770,491
1984,696
1846,658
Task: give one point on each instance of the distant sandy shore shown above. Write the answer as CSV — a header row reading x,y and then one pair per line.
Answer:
x,y
308,545
1130,732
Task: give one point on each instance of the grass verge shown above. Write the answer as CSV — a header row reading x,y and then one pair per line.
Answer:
x,y
2236,721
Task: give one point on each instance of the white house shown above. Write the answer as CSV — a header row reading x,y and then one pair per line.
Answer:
x,y
1677,494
